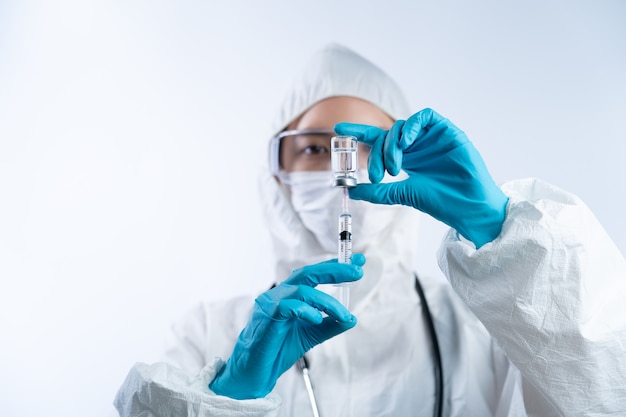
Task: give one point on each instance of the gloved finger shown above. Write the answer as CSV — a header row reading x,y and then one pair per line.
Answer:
x,y
392,153
375,163
307,303
372,136
358,259
328,272
291,309
363,133
387,193
442,134
327,329
418,124
300,301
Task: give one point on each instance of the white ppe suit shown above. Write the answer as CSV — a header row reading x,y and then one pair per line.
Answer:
x,y
535,324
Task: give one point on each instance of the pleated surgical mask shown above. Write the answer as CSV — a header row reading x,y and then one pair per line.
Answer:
x,y
318,205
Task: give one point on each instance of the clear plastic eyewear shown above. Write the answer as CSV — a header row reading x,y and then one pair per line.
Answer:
x,y
305,136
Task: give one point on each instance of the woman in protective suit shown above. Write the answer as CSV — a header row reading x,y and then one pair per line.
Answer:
x,y
529,322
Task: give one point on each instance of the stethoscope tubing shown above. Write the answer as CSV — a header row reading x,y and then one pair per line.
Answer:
x,y
303,364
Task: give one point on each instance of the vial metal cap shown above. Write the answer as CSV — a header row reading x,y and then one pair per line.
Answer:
x,y
348,182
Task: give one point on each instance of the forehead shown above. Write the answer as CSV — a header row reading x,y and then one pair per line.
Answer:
x,y
327,113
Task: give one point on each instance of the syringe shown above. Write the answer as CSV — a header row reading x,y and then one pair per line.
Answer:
x,y
344,164
344,252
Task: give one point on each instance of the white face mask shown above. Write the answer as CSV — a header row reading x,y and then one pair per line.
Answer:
x,y
318,205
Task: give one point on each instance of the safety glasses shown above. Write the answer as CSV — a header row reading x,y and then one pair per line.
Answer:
x,y
306,150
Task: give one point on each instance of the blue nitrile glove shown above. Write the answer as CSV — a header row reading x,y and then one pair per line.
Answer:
x,y
285,323
447,176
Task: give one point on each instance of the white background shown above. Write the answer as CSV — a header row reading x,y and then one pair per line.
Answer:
x,y
130,133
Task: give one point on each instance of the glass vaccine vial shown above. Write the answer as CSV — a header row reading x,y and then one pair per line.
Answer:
x,y
344,160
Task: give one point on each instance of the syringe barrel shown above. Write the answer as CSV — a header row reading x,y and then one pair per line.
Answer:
x,y
344,247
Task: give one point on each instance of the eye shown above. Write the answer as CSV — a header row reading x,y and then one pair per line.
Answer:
x,y
315,150
312,145
307,151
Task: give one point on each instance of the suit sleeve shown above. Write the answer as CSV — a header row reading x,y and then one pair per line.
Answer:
x,y
551,289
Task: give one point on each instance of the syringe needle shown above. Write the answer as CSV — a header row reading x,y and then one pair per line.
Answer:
x,y
345,201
